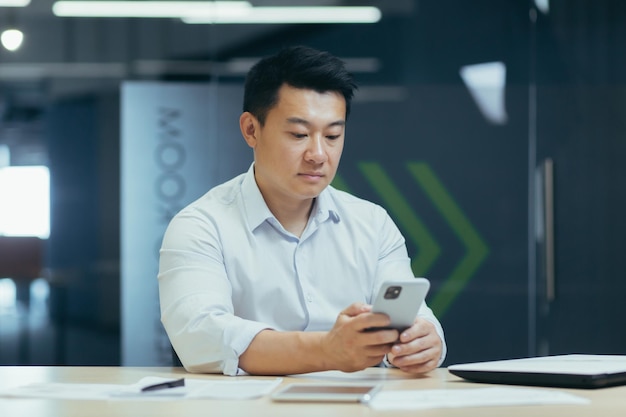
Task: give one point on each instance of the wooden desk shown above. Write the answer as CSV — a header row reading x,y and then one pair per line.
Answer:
x,y
607,402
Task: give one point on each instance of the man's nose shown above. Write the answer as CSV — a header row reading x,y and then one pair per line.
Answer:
x,y
316,151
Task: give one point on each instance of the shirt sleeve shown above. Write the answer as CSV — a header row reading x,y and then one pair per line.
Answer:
x,y
394,263
426,313
196,299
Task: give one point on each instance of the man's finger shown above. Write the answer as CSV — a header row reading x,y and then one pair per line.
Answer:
x,y
419,329
355,309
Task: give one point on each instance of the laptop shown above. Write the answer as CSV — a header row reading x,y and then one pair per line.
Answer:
x,y
565,371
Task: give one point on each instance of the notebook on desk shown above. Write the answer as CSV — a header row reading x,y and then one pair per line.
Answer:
x,y
566,371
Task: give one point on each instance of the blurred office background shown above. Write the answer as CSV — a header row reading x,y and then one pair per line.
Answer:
x,y
493,131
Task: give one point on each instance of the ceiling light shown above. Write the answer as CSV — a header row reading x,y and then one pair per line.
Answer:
x,y
225,12
156,9
14,3
12,39
295,14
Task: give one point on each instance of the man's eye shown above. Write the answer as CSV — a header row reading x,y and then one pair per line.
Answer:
x,y
299,135
333,137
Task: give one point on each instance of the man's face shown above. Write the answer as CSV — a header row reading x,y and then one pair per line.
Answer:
x,y
298,149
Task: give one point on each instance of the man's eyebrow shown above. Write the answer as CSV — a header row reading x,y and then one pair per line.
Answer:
x,y
298,120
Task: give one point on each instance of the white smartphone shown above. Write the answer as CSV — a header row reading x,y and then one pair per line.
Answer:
x,y
401,300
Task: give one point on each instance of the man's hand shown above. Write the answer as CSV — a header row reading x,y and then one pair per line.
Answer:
x,y
349,347
419,348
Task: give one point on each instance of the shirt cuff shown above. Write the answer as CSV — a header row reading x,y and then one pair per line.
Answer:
x,y
386,364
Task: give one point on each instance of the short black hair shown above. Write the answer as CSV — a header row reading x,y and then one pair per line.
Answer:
x,y
299,67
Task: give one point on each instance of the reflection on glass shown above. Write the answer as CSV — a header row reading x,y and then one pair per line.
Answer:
x,y
543,6
39,294
25,201
486,83
5,156
8,295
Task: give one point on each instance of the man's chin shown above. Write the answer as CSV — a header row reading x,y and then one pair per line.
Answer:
x,y
310,193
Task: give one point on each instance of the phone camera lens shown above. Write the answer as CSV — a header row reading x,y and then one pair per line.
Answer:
x,y
392,292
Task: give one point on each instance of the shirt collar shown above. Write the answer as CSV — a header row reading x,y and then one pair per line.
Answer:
x,y
256,208
257,211
325,207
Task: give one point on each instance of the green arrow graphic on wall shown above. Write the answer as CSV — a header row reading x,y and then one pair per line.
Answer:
x,y
477,250
405,215
415,229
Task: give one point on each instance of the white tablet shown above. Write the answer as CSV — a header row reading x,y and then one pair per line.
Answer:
x,y
326,392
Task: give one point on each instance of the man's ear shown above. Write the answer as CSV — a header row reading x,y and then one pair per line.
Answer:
x,y
250,128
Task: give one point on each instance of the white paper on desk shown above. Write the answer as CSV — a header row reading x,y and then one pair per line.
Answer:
x,y
233,389
227,389
471,397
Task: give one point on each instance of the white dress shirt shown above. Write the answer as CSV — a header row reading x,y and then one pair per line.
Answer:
x,y
228,270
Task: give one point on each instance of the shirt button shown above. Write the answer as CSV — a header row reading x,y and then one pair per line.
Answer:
x,y
309,298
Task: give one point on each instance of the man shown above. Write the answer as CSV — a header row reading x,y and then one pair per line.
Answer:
x,y
273,272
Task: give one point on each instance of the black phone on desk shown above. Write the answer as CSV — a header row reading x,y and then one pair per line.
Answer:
x,y
400,300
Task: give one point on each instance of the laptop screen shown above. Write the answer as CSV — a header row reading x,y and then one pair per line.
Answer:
x,y
576,371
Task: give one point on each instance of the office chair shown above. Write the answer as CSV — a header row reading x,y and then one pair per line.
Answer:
x,y
22,260
21,257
